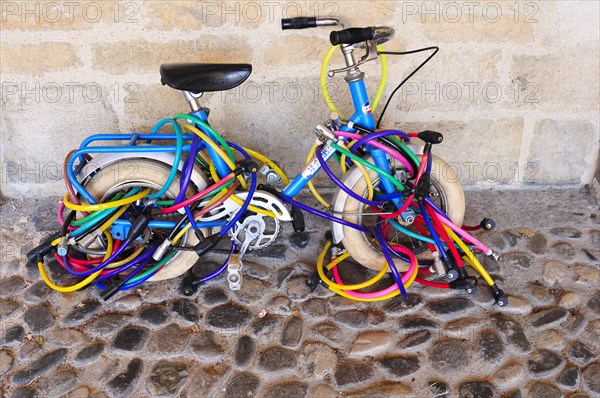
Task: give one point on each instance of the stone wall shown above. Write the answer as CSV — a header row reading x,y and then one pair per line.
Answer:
x,y
515,85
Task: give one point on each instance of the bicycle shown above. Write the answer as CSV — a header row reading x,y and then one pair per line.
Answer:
x,y
146,211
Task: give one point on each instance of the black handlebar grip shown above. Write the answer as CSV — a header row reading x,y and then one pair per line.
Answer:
x,y
351,36
298,23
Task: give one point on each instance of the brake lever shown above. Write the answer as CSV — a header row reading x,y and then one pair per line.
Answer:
x,y
370,55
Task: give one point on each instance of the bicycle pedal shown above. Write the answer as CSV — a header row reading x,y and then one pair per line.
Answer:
x,y
234,277
463,284
187,287
298,220
314,281
499,296
450,276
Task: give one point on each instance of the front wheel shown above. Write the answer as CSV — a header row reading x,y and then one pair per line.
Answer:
x,y
445,191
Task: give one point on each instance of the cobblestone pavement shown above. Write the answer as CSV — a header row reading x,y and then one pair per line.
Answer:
x,y
155,342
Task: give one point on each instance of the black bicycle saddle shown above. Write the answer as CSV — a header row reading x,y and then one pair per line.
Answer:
x,y
199,78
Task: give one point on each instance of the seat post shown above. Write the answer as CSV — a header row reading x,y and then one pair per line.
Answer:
x,y
192,99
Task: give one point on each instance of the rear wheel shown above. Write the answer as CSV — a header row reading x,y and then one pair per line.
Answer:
x,y
445,191
129,173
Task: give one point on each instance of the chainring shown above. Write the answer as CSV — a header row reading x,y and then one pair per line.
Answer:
x,y
267,228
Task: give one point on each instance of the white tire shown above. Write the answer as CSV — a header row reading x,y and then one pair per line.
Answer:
x,y
360,246
146,173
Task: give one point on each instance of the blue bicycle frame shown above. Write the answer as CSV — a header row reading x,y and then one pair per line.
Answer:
x,y
363,117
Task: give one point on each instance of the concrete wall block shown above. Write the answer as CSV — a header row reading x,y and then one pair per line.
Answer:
x,y
567,23
37,135
144,106
480,151
563,151
307,50
553,83
37,59
452,81
146,56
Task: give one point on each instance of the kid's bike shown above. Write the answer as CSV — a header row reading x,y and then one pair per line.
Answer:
x,y
148,208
